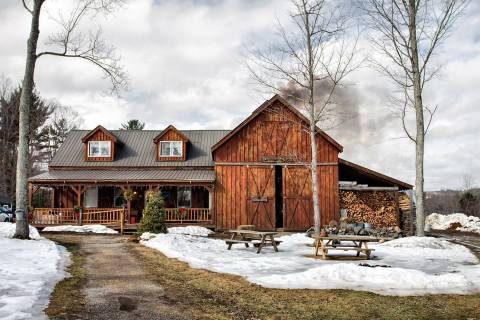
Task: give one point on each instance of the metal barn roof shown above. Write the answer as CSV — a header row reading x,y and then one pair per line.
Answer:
x,y
137,149
157,175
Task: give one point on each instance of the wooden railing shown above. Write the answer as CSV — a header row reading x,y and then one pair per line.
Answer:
x,y
57,216
54,216
103,216
188,215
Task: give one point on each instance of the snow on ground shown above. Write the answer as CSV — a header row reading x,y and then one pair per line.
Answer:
x,y
443,222
29,270
90,228
418,265
191,230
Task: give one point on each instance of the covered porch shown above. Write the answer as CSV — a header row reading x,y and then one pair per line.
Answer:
x,y
118,199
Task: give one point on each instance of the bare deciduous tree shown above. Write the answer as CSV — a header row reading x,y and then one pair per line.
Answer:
x,y
69,42
468,182
313,49
408,33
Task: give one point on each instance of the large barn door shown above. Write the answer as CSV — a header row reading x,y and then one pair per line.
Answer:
x,y
297,198
261,197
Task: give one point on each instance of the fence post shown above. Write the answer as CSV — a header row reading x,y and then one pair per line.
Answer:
x,y
80,217
122,221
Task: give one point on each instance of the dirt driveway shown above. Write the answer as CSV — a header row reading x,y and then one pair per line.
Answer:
x,y
117,285
468,239
116,279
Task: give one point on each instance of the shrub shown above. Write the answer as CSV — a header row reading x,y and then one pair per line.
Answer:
x,y
153,219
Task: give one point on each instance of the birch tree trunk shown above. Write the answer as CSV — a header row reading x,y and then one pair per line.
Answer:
x,y
313,169
313,121
419,119
22,231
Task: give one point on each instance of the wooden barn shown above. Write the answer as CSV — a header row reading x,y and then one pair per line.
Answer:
x,y
256,174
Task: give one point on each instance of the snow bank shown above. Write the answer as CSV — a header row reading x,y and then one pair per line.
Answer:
x,y
443,222
90,228
418,266
7,230
29,270
424,243
191,230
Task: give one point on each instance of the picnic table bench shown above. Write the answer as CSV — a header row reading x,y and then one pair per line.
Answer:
x,y
334,242
258,239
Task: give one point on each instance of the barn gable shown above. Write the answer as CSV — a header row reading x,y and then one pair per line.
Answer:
x,y
275,132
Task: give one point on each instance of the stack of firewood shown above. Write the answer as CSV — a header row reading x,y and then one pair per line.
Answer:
x,y
375,207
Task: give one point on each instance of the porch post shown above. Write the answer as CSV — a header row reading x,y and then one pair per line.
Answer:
x,y
30,194
52,195
129,204
79,198
211,198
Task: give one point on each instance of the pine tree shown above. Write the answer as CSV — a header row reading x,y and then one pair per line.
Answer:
x,y
153,219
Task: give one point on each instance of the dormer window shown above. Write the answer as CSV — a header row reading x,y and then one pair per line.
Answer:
x,y
171,149
99,149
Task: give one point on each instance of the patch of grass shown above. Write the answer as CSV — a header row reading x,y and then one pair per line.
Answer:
x,y
209,295
67,300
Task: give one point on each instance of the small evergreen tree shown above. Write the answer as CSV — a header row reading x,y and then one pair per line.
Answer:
x,y
468,202
153,219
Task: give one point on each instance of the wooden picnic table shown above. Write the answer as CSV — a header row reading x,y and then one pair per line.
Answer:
x,y
262,238
359,244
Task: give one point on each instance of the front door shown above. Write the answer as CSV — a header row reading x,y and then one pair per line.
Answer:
x,y
261,197
297,198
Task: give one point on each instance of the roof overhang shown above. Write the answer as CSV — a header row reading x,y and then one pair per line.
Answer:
x,y
123,176
167,129
379,178
102,129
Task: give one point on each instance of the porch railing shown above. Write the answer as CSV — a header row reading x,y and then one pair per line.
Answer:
x,y
188,215
55,216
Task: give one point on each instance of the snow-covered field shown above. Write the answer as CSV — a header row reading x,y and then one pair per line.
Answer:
x,y
443,222
91,228
29,270
417,265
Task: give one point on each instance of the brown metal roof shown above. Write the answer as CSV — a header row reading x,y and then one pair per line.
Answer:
x,y
348,171
157,175
137,149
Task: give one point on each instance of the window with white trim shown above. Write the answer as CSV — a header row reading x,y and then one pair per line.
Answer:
x,y
99,149
171,149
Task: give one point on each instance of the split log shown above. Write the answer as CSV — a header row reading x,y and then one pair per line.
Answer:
x,y
378,208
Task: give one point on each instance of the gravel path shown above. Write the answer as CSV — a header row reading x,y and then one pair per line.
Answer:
x,y
117,285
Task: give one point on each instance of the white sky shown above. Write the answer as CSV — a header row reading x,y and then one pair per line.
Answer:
x,y
186,67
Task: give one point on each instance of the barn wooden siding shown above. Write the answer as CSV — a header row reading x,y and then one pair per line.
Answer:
x,y
100,136
245,173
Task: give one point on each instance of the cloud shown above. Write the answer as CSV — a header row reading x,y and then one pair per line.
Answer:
x,y
185,62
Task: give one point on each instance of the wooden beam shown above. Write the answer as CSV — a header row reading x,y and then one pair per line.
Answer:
x,y
368,188
269,164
